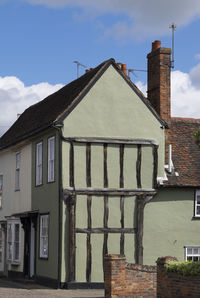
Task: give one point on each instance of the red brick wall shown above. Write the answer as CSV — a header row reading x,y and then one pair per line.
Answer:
x,y
128,280
171,284
159,61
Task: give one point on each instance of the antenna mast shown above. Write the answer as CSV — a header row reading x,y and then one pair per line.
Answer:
x,y
78,64
173,27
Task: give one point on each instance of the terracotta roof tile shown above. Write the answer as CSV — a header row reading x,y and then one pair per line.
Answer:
x,y
185,151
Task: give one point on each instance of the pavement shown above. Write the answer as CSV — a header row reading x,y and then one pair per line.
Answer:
x,y
15,289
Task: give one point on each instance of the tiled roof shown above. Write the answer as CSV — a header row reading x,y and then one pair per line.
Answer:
x,y
185,152
57,106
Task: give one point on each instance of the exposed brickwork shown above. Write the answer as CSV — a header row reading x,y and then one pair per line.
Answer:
x,y
175,285
159,62
128,280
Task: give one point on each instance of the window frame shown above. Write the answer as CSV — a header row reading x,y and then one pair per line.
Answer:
x,y
11,242
1,190
17,170
39,165
42,237
196,204
51,161
192,255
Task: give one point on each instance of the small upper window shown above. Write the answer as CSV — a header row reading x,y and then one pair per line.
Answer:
x,y
1,190
192,253
39,163
51,159
197,203
17,171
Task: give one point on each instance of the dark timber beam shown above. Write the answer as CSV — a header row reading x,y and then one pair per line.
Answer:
x,y
105,219
121,185
110,141
89,201
110,191
72,203
155,166
138,166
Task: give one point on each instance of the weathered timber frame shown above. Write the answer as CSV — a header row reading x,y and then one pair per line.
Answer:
x,y
143,196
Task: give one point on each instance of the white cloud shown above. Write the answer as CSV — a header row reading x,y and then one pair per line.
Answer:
x,y
143,18
15,98
185,94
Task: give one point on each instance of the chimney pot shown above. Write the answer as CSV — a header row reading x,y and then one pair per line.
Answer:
x,y
123,67
156,45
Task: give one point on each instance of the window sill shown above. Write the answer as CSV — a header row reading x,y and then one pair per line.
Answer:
x,y
196,218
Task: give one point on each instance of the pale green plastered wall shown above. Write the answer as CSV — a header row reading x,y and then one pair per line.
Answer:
x,y
112,109
169,225
109,109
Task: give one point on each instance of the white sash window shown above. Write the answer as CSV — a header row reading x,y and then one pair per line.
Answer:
x,y
17,171
13,241
39,163
51,159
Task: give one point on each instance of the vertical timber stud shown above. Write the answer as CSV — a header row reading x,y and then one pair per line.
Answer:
x,y
121,185
72,204
140,222
155,165
105,220
138,166
89,221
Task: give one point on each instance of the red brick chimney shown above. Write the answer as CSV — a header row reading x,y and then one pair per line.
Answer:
x,y
123,67
159,62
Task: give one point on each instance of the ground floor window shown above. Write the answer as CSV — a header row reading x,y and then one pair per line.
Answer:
x,y
13,241
192,253
44,232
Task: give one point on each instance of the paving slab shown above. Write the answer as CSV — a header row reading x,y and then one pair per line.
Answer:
x,y
14,289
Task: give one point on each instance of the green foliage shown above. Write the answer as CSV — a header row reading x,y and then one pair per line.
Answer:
x,y
197,136
183,268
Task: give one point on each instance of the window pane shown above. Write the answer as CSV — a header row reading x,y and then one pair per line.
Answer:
x,y
189,251
189,258
1,182
17,232
198,210
198,199
17,160
16,251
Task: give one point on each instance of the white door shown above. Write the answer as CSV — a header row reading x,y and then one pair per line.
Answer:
x,y
2,245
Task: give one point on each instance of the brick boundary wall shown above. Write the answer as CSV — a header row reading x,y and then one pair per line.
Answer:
x,y
171,284
128,280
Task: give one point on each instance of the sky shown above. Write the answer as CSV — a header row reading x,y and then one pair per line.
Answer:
x,y
40,39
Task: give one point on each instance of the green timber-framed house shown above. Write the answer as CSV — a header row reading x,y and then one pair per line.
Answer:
x,y
102,179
